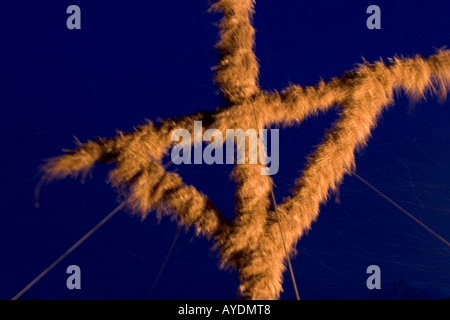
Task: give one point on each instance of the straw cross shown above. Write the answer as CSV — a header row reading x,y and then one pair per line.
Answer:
x,y
252,242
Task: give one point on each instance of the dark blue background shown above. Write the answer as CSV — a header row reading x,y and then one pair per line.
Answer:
x,y
152,59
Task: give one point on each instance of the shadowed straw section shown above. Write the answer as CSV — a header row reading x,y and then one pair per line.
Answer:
x,y
251,210
189,207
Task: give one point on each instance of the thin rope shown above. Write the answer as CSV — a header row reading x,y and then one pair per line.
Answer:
x,y
72,248
423,225
163,265
274,204
76,245
169,253
291,270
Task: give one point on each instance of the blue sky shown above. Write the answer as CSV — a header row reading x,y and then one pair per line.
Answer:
x,y
147,60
